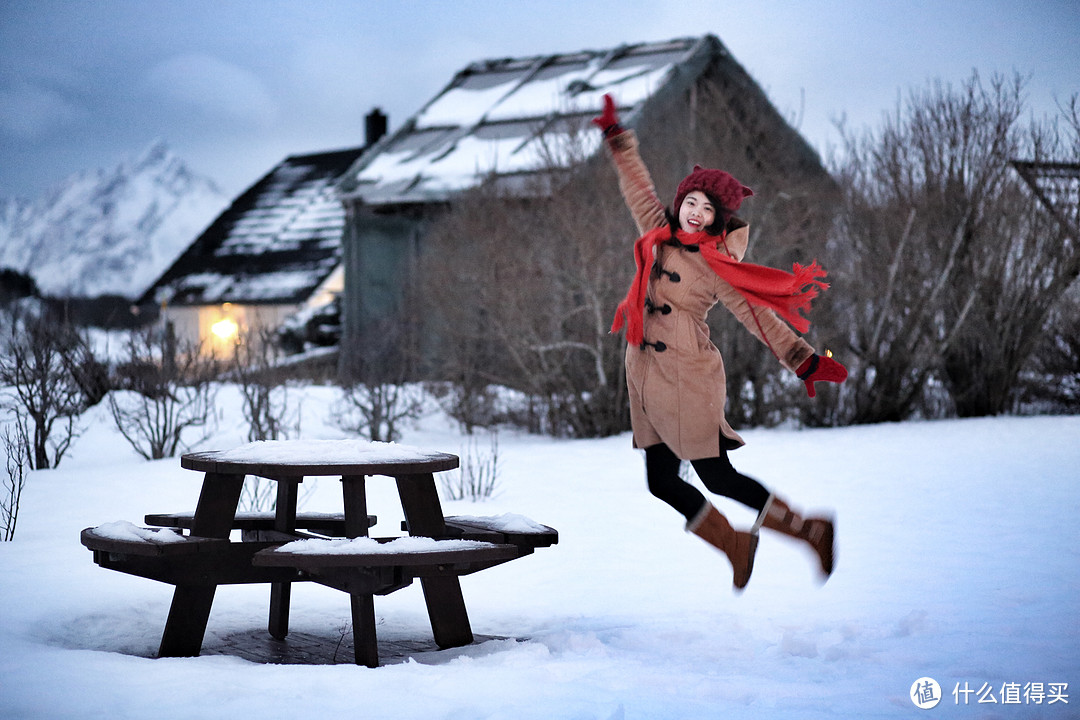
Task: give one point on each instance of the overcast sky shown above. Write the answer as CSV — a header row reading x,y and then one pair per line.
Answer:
x,y
234,86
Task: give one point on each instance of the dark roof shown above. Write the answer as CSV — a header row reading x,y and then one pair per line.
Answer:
x,y
1057,185
275,244
505,116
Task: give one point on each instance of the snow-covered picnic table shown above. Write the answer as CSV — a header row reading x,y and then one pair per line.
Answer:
x,y
333,550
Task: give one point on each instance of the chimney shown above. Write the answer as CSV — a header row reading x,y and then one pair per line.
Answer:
x,y
374,126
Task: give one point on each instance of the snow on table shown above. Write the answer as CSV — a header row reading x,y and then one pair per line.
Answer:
x,y
507,523
312,452
368,546
124,530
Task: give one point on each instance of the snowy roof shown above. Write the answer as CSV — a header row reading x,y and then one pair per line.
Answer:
x,y
507,116
275,244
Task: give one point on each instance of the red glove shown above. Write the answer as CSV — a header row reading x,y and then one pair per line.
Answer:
x,y
818,368
608,121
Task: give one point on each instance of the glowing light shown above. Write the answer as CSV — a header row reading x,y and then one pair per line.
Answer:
x,y
225,328
828,353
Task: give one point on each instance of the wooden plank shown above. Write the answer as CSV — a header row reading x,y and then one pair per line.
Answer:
x,y
215,462
228,564
323,523
188,546
276,557
366,581
542,537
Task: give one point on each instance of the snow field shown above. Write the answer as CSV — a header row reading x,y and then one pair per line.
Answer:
x,y
958,559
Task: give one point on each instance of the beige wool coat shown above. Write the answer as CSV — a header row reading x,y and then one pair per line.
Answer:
x,y
677,395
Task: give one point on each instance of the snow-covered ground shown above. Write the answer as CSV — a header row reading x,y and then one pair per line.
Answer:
x,y
959,560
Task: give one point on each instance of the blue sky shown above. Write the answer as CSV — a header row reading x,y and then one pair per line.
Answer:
x,y
233,86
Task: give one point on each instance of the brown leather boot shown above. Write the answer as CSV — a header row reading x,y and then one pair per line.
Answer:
x,y
818,532
713,528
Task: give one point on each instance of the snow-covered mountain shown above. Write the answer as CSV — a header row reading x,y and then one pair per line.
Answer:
x,y
109,232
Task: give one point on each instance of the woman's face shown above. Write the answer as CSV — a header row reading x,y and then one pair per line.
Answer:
x,y
696,212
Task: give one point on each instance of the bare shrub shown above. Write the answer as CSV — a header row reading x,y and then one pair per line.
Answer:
x,y
267,405
1050,382
18,463
951,268
167,392
477,477
378,411
376,402
264,386
49,377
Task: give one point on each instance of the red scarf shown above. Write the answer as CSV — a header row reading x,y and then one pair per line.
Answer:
x,y
786,293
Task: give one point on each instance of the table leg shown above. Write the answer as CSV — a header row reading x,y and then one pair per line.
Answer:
x,y
365,637
281,592
446,609
190,609
445,603
354,489
218,499
365,641
280,599
186,625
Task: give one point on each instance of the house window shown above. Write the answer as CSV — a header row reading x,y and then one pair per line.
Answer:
x,y
226,329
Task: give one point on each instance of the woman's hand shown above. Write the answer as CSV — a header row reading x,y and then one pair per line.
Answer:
x,y
608,120
819,368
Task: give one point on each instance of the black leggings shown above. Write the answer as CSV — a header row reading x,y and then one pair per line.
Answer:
x,y
717,474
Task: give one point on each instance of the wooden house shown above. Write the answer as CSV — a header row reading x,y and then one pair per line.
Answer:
x,y
500,118
274,252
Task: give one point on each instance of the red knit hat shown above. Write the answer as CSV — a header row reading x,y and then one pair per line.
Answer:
x,y
717,184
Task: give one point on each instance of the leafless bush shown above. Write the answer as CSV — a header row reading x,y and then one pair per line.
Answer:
x,y
378,411
471,405
17,465
167,392
477,477
1050,382
266,404
49,377
951,267
264,386
376,402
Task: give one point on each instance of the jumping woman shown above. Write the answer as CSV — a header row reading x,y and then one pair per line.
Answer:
x,y
688,259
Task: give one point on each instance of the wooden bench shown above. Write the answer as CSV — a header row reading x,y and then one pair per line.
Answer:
x,y
99,539
331,524
436,553
379,571
524,533
182,559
